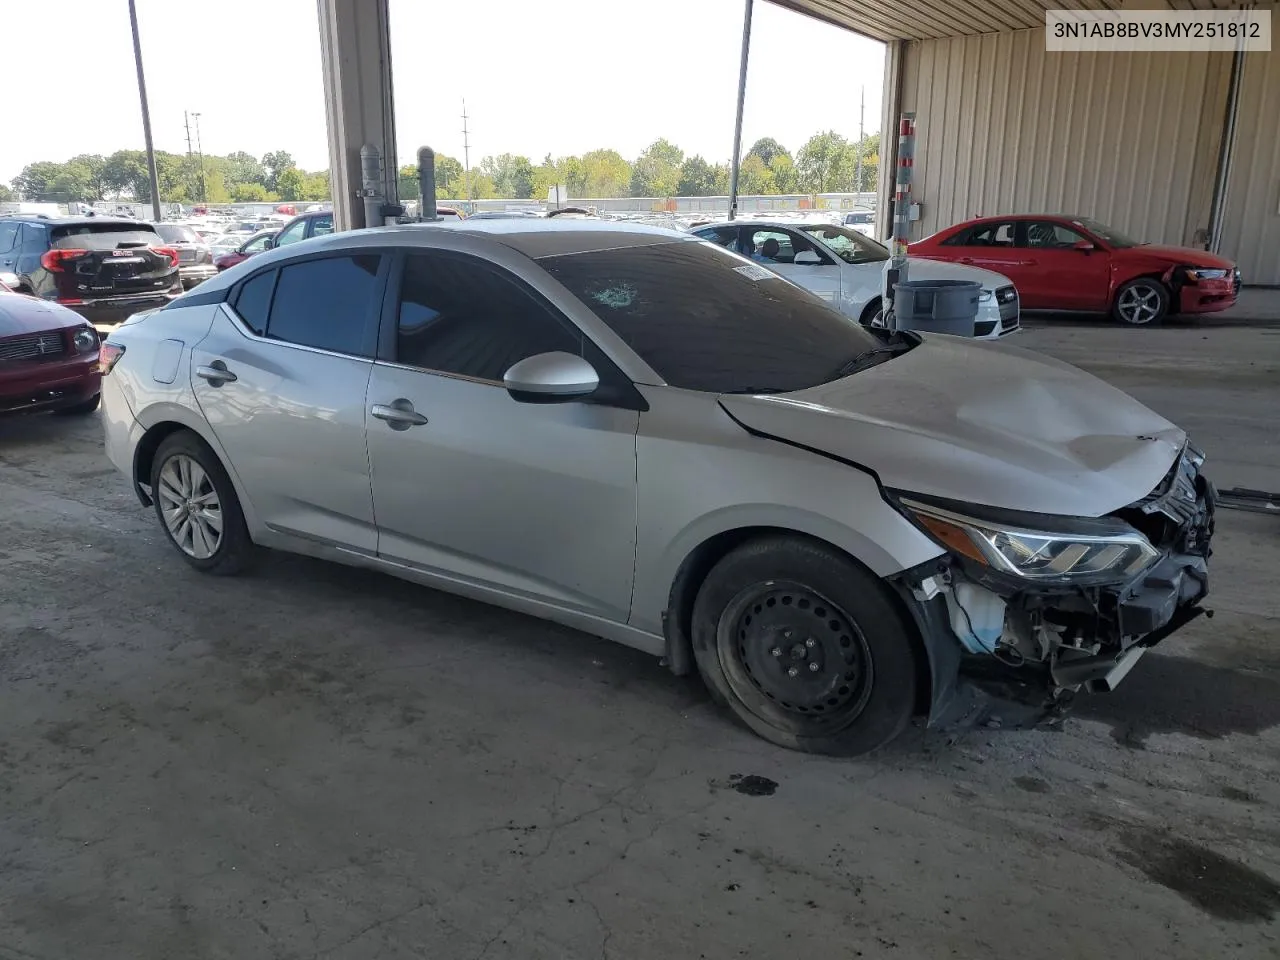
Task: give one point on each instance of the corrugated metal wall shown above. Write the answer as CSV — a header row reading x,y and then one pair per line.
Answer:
x,y
1004,127
1251,227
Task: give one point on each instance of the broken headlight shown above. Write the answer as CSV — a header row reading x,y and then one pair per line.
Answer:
x,y
1042,549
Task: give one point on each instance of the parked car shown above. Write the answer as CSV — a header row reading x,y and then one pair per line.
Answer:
x,y
864,221
48,357
103,268
1080,264
195,259
258,243
303,227
846,268
636,433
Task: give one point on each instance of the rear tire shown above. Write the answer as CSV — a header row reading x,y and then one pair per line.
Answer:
x,y
197,506
1143,302
83,408
806,647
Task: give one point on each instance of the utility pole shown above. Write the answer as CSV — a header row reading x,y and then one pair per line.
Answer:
x,y
204,196
862,136
146,113
466,149
735,162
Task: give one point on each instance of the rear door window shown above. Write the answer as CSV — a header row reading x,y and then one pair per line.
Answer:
x,y
322,226
997,234
327,303
253,302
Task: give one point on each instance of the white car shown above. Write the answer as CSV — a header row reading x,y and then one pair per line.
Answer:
x,y
846,268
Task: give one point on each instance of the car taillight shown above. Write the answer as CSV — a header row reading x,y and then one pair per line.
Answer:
x,y
55,260
169,252
109,355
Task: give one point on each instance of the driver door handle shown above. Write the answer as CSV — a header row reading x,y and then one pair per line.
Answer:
x,y
216,373
398,414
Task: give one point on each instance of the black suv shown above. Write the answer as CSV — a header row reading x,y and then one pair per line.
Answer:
x,y
103,268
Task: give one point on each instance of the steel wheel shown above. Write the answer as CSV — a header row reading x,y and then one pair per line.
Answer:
x,y
1141,302
800,651
190,506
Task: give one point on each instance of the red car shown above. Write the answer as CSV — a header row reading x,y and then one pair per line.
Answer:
x,y
48,357
1075,263
254,244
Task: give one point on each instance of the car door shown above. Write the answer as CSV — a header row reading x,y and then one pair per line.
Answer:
x,y
776,248
532,500
281,379
9,245
1065,277
992,245
292,233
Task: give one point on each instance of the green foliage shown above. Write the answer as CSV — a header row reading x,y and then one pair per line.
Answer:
x,y
275,163
512,176
656,172
783,170
6,194
289,183
697,178
249,193
754,177
603,173
826,163
767,148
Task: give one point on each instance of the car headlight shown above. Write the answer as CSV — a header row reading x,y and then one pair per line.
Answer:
x,y
985,295
1074,551
1205,273
85,341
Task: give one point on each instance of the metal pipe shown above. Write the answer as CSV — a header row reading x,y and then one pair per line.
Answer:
x,y
736,162
371,184
427,184
1218,208
146,113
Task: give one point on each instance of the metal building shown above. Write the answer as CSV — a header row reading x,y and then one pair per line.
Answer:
x,y
1144,141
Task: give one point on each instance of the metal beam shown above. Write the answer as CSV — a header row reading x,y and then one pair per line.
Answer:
x,y
355,49
735,163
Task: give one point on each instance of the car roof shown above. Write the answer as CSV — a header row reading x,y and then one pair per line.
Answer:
x,y
77,221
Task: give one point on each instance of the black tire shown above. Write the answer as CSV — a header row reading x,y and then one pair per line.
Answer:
x,y
235,551
853,688
870,312
81,409
1143,302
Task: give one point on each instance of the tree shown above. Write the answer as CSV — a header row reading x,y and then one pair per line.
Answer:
x,y
784,174
249,193
656,172
869,148
124,173
512,176
289,183
767,148
275,163
33,182
407,182
6,194
93,166
604,173
754,178
826,163
315,186
448,172
697,178
244,168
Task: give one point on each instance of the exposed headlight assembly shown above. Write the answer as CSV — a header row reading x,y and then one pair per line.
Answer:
x,y
1205,273
1072,551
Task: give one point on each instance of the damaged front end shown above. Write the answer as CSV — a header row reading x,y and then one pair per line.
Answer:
x,y
1028,609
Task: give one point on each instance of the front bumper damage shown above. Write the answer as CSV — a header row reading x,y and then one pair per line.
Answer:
x,y
1055,642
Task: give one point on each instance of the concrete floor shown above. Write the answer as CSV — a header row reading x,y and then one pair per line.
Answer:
x,y
316,762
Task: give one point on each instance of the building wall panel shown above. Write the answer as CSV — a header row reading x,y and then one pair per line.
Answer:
x,y
1005,127
1251,225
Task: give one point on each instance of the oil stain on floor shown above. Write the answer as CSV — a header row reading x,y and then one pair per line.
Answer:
x,y
1220,887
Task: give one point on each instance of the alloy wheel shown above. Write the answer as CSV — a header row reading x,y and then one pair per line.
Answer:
x,y
1139,304
190,506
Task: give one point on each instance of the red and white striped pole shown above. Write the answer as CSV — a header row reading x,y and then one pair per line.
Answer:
x,y
896,270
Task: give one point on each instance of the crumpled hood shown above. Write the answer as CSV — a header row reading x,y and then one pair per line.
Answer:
x,y
1185,255
919,268
981,423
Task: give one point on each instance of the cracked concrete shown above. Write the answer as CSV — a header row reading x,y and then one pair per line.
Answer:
x,y
314,762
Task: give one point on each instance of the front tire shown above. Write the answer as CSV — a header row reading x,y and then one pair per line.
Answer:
x,y
873,314
197,506
805,647
1143,302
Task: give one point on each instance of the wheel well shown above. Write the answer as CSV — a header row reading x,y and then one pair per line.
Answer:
x,y
677,619
144,456
1174,292
869,311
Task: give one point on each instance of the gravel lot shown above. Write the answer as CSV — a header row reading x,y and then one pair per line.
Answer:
x,y
319,762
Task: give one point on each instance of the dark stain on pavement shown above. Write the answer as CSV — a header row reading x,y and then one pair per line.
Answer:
x,y
1220,887
1032,784
752,785
1167,694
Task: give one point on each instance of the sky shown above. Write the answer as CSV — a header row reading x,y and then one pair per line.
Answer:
x,y
539,76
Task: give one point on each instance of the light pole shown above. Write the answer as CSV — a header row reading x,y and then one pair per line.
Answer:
x,y
146,114
200,153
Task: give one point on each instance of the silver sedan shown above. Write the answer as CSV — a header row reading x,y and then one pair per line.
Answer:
x,y
642,435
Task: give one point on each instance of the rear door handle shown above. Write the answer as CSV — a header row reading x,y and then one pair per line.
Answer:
x,y
216,373
398,414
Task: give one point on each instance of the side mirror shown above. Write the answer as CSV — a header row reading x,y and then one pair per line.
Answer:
x,y
551,378
807,258
268,244
1084,246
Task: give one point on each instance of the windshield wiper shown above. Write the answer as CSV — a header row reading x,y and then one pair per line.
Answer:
x,y
868,359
